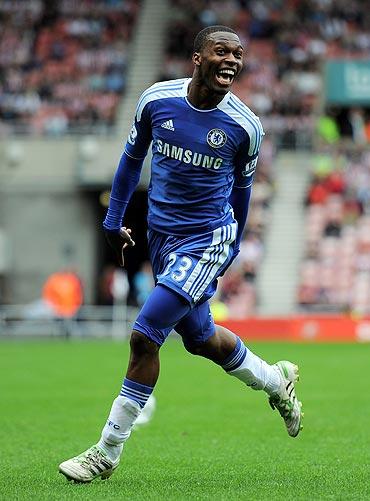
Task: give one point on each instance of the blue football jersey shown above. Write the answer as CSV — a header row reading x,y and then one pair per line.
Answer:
x,y
198,156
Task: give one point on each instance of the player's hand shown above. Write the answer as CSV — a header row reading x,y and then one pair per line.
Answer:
x,y
119,241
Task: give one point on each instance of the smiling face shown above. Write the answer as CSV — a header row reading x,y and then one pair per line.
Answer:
x,y
219,61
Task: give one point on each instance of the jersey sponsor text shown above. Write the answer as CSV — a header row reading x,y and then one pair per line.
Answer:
x,y
188,156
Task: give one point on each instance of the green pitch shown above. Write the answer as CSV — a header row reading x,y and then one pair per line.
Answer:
x,y
210,438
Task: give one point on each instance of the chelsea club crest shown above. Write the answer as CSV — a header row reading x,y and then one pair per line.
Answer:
x,y
216,138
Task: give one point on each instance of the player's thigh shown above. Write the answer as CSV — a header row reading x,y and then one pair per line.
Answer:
x,y
160,313
197,326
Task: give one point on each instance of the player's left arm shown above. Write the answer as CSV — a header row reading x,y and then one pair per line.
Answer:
x,y
245,165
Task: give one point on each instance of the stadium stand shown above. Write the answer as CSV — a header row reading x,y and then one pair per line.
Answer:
x,y
335,273
287,43
64,69
63,64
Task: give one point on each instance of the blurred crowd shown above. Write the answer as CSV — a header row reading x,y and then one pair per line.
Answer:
x,y
62,64
286,43
335,273
63,69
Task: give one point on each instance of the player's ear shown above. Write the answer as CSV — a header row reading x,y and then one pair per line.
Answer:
x,y
197,58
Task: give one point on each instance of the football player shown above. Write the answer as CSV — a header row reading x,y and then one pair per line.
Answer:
x,y
205,144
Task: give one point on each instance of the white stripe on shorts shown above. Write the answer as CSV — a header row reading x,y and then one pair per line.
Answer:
x,y
211,261
204,260
212,257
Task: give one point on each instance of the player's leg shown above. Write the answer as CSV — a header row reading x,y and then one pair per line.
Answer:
x,y
227,350
201,337
160,313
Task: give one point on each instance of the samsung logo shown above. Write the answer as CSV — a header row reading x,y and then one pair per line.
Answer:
x,y
188,156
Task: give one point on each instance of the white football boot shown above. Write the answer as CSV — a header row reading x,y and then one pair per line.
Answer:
x,y
91,464
285,400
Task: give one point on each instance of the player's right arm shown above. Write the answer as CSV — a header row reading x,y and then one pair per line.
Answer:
x,y
125,182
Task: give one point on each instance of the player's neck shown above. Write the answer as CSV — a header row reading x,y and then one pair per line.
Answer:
x,y
202,97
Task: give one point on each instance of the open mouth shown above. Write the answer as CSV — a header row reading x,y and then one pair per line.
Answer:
x,y
225,76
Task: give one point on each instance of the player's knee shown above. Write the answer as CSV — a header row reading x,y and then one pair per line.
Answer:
x,y
141,345
216,348
220,331
195,348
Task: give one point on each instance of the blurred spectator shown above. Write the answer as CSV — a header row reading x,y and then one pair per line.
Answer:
x,y
143,283
250,257
63,292
367,128
356,119
327,128
105,294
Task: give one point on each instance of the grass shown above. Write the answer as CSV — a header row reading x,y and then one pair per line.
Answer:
x,y
210,438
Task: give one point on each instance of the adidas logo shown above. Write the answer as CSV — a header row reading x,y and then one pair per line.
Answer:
x,y
168,125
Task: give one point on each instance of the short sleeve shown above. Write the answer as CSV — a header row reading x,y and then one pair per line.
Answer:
x,y
140,135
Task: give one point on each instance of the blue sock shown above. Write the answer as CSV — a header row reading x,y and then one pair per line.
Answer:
x,y
136,391
236,358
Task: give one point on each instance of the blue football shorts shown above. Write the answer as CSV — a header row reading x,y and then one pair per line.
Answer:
x,y
190,265
185,271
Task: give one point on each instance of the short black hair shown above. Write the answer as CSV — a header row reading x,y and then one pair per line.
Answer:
x,y
201,39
